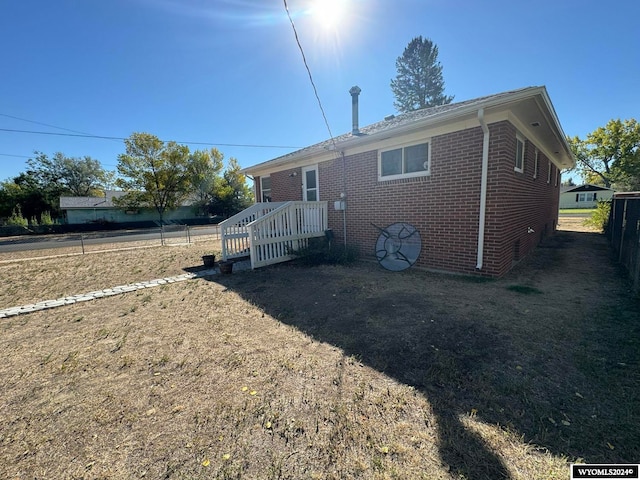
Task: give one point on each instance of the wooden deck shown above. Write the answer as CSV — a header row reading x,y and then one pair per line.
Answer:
x,y
269,232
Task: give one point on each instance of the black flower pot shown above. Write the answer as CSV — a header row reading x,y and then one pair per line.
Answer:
x,y
209,261
226,267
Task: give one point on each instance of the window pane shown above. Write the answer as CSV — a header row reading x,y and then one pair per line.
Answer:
x,y
265,183
416,158
519,154
391,162
311,178
312,196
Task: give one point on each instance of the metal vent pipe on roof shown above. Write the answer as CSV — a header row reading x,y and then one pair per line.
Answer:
x,y
354,91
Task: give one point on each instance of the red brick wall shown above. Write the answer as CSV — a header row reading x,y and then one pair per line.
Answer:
x,y
257,190
444,206
285,185
516,201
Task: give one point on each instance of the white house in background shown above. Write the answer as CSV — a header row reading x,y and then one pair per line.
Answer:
x,y
584,196
78,210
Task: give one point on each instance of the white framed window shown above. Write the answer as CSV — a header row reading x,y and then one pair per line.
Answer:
x,y
549,173
585,197
265,188
519,161
535,165
405,162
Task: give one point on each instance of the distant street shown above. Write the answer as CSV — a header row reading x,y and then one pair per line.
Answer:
x,y
41,242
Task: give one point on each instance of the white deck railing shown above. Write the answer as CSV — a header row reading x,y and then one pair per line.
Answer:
x,y
234,232
273,236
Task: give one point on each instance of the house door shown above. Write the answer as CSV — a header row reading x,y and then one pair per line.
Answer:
x,y
310,191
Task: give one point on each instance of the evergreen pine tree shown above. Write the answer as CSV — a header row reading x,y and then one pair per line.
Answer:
x,y
419,82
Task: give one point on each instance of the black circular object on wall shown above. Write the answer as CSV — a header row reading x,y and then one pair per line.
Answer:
x,y
398,246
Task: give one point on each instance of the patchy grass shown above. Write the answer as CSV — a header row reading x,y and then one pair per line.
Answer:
x,y
326,372
31,280
586,211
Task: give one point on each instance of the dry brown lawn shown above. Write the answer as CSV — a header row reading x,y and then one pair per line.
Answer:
x,y
326,372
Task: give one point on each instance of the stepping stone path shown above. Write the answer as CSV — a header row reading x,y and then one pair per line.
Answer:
x,y
108,292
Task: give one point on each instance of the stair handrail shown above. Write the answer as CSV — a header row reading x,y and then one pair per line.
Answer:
x,y
235,219
238,226
252,226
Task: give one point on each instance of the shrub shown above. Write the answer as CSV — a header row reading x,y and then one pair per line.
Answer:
x,y
16,218
320,251
600,216
45,218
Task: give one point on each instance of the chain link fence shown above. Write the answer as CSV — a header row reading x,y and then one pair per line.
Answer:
x,y
35,246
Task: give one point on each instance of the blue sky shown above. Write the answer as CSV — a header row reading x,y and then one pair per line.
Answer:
x,y
230,72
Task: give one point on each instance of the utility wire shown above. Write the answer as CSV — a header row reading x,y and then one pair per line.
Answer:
x,y
45,124
304,59
336,154
11,155
41,123
104,137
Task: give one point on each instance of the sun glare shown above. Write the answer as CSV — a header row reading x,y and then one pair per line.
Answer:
x,y
329,13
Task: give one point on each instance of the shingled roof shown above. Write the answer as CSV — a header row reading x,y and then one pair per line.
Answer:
x,y
91,202
406,120
587,187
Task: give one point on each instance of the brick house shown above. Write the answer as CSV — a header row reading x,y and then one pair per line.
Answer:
x,y
479,179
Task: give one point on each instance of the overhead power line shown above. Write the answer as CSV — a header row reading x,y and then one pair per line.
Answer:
x,y
306,65
42,123
12,155
104,137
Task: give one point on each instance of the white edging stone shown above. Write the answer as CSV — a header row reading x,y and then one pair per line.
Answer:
x,y
107,292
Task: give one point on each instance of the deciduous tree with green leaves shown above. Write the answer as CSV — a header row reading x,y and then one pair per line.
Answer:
x,y
232,194
154,173
610,155
11,196
38,190
204,171
79,177
419,82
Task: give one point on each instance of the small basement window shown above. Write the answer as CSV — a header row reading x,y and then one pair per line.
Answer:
x,y
411,161
519,163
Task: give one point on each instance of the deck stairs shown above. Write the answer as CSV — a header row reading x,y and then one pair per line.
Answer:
x,y
269,232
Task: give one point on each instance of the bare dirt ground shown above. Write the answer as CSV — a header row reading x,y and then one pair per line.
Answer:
x,y
293,372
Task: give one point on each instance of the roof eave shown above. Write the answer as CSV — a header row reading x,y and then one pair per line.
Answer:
x,y
562,137
443,117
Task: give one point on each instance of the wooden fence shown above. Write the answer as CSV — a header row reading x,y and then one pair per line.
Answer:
x,y
624,233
